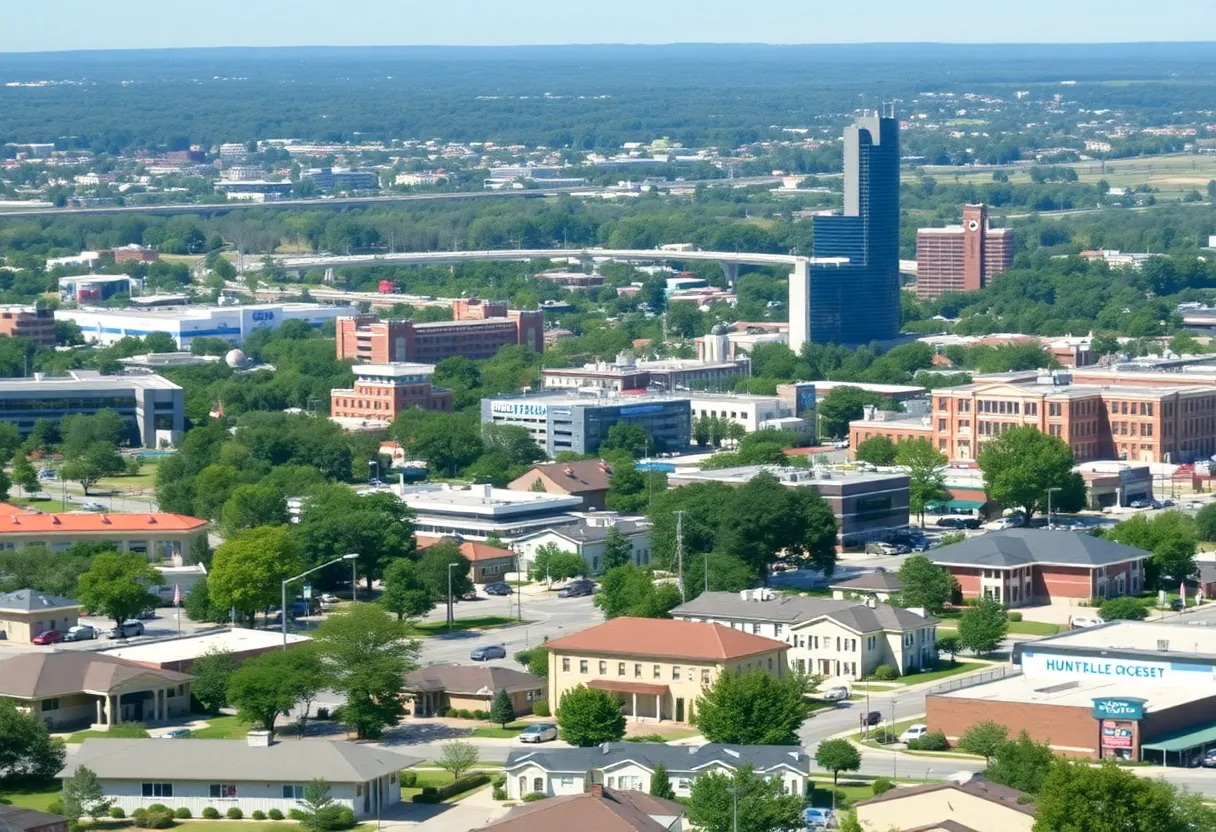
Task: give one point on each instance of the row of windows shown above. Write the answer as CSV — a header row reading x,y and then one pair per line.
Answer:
x,y
1130,408
676,671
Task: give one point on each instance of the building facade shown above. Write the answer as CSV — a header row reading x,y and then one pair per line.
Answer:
x,y
961,258
27,612
588,541
479,330
382,391
580,424
161,537
585,478
185,323
627,373
38,325
436,688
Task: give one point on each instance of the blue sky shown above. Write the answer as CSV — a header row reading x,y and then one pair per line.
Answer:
x,y
133,24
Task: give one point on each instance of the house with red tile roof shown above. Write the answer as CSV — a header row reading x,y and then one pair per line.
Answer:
x,y
488,563
159,535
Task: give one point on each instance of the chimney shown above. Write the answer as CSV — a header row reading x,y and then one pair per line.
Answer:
x,y
871,602
259,739
596,791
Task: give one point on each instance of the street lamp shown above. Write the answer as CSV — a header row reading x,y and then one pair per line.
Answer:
x,y
283,607
451,566
1049,490
354,584
373,463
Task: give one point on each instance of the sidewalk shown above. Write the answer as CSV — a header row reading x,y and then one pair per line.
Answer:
x,y
473,812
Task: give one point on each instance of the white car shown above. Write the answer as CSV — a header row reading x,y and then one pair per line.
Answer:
x,y
329,600
1080,622
914,732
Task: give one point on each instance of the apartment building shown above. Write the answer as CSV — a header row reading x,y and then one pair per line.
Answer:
x,y
961,258
30,322
479,330
382,391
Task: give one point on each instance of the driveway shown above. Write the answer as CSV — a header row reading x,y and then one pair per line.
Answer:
x,y
474,812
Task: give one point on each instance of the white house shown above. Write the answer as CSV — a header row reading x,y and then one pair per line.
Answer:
x,y
250,775
587,540
628,766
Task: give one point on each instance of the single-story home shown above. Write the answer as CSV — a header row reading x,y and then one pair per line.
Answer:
x,y
586,478
251,774
487,563
17,819
596,810
28,612
437,687
628,766
961,804
589,540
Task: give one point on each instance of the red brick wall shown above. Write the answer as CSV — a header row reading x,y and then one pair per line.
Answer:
x,y
968,579
1063,582
1072,730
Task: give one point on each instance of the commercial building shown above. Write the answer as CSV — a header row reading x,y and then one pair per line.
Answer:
x,y
1130,689
480,329
837,639
94,288
627,373
961,258
855,301
554,772
134,253
27,612
185,323
382,391
340,179
78,689
434,689
1018,567
486,563
958,805
32,322
180,653
585,478
753,413
601,809
162,537
587,540
659,667
868,505
250,775
153,406
580,424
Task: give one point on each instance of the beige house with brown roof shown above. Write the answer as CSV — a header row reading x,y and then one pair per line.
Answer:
x,y
587,478
28,612
976,805
658,667
597,810
77,689
437,687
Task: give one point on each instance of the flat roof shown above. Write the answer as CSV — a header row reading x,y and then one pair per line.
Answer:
x,y
480,500
193,312
84,379
1181,641
233,640
566,398
395,370
789,475
886,389
1080,693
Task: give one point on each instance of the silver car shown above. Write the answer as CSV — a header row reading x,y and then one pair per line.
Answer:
x,y
81,632
837,694
539,732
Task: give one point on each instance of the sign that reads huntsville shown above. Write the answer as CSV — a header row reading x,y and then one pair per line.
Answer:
x,y
1128,708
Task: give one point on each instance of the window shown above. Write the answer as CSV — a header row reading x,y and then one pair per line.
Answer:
x,y
566,781
157,789
50,704
756,629
683,784
675,673
565,665
293,791
582,666
705,678
538,784
658,672
603,668
637,671
223,790
777,629
620,669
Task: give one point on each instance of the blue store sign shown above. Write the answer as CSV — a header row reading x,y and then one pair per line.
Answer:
x,y
1130,709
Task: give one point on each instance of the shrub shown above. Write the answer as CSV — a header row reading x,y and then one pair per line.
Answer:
x,y
55,807
274,814
499,793
139,816
322,713
881,786
886,672
647,738
430,794
156,816
75,826
532,797
344,818
450,713
235,813
157,807
498,781
409,779
258,814
297,814
117,813
1014,616
464,713
482,715
211,813
540,707
182,813
932,741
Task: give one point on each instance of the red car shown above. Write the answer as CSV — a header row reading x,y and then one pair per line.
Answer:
x,y
48,637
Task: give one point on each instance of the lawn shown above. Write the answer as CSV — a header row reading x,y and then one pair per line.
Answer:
x,y
36,797
144,480
437,777
484,622
934,675
846,795
511,730
1034,628
221,728
81,736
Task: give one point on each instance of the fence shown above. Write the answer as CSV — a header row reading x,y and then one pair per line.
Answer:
x,y
971,680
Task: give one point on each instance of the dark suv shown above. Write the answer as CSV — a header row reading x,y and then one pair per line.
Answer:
x,y
577,589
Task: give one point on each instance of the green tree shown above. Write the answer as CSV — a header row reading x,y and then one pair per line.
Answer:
x,y
817,528
1106,798
630,591
765,517
265,687
926,478
501,709
366,655
1021,464
1020,764
98,460
660,783
535,661
25,476
983,739
116,585
1124,608
27,752
458,758
630,490
924,584
405,594
753,708
248,569
549,564
82,796
316,806
627,438
434,573
843,405
743,802
618,551
1170,536
837,756
336,521
1205,518
876,450
950,644
212,672
982,627
725,574
250,506
589,717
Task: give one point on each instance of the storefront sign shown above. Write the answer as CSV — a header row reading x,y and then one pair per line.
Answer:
x,y
641,409
512,409
1132,709
1131,670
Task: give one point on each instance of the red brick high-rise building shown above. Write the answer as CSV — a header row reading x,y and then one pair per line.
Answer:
x,y
961,258
28,322
479,330
382,391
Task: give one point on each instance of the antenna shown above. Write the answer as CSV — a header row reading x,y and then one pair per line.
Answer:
x,y
680,551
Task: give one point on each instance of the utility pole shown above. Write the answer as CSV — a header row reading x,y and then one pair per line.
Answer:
x,y
680,551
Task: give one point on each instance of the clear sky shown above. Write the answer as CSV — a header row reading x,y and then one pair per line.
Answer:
x,y
138,24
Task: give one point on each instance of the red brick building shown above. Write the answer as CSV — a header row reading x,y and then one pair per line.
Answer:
x,y
135,253
1034,566
382,391
30,322
961,258
479,330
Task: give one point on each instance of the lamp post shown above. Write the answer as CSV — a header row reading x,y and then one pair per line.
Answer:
x,y
373,463
451,566
354,584
1049,490
283,606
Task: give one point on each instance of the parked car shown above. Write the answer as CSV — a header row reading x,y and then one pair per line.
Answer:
x,y
48,474
914,732
47,637
1209,759
176,734
1138,504
879,548
1168,504
146,615
328,600
81,632
498,588
816,819
836,694
1080,622
873,718
92,507
127,629
539,732
922,546
577,589
490,651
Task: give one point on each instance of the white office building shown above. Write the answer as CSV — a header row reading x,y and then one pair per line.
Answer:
x,y
185,323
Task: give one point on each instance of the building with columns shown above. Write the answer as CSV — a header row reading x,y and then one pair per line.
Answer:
x,y
78,689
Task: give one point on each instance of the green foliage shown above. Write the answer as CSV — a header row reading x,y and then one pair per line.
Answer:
x,y
211,672
588,717
250,506
116,585
726,574
248,569
1022,463
258,814
876,450
618,551
269,685
1020,764
1171,538
274,814
182,813
336,521
82,795
405,594
550,563
540,707
117,813
924,584
982,627
631,591
535,661
756,804
1109,799
984,738
89,464
881,785
434,573
628,438
926,477
458,757
1205,520
836,756
932,741
753,708
234,813
502,710
886,673
1124,608
630,490
660,783
846,404
38,567
211,813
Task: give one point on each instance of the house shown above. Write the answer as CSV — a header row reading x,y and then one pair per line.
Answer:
x,y
17,819
587,478
629,765
1037,566
597,810
180,653
487,563
28,612
588,540
249,774
159,536
659,667
833,638
957,805
75,689
879,585
435,688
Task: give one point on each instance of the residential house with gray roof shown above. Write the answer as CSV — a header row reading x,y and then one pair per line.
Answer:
x,y
25,613
879,584
835,638
629,765
587,540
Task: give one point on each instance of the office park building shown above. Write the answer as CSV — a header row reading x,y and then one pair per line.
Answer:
x,y
564,422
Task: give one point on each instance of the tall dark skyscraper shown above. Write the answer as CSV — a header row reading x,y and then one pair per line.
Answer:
x,y
858,302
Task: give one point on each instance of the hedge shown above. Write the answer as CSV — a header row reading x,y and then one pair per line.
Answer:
x,y
431,794
540,707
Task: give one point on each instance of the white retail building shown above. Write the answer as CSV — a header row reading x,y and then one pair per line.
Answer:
x,y
185,323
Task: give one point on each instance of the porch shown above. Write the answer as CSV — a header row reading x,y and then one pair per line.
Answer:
x,y
640,702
